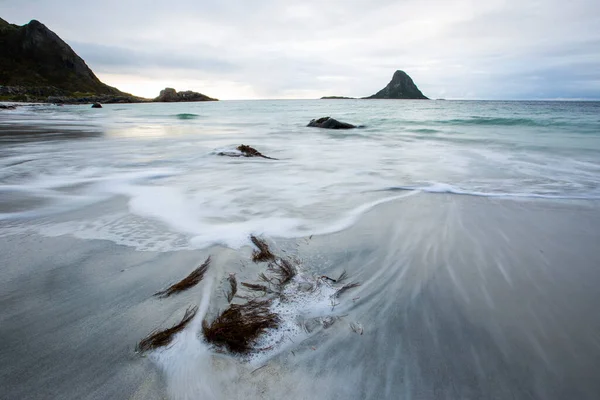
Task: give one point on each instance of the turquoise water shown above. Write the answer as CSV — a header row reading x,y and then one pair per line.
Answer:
x,y
162,159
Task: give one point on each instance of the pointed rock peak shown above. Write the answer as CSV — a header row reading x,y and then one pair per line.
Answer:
x,y
400,87
399,74
34,23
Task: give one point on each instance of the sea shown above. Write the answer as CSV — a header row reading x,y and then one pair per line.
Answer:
x,y
471,227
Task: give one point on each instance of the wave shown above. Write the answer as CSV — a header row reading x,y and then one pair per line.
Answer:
x,y
445,188
424,130
152,209
185,116
499,121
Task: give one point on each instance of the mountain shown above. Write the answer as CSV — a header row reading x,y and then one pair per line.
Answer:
x,y
35,63
400,87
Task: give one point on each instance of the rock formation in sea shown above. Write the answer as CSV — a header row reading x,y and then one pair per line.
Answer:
x,y
329,123
400,87
171,95
336,98
36,64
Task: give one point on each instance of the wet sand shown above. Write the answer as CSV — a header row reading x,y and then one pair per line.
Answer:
x,y
461,297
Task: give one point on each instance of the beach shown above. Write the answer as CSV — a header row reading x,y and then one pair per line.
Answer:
x,y
475,247
451,308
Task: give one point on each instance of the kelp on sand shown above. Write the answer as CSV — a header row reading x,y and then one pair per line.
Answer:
x,y
188,282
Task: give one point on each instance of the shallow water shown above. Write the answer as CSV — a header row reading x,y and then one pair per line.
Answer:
x,y
161,160
471,226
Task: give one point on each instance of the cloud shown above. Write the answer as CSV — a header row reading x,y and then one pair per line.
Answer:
x,y
106,58
498,49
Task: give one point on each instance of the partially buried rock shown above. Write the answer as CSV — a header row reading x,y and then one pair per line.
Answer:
x,y
329,123
245,151
96,105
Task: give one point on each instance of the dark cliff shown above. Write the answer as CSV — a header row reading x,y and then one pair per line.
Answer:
x,y
36,63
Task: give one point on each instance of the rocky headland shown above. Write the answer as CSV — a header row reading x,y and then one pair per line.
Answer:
x,y
37,66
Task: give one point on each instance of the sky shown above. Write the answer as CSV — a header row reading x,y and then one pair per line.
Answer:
x,y
276,49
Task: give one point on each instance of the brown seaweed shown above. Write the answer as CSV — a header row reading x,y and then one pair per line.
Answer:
x,y
189,281
346,287
283,270
248,151
238,327
255,287
263,253
232,287
157,339
343,276
265,278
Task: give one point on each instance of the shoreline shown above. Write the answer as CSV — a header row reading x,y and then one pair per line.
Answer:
x,y
441,299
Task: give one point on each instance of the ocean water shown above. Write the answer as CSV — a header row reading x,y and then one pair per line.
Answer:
x,y
472,227
161,160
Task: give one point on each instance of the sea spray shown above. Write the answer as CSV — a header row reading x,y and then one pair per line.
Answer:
x,y
187,363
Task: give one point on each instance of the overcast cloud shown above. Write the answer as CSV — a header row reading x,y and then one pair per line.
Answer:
x,y
467,49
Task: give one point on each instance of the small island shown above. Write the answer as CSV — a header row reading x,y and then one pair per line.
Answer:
x,y
337,98
400,87
170,95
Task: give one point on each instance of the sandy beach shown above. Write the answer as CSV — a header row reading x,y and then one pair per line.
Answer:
x,y
451,308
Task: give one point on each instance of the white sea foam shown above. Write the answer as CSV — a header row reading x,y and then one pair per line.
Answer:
x,y
446,188
187,363
297,310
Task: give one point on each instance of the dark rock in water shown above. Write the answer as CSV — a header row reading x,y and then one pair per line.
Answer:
x,y
336,98
96,105
169,95
5,107
400,87
329,123
245,151
35,63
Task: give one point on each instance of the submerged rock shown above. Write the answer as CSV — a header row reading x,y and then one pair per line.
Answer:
x,y
329,123
7,107
96,105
